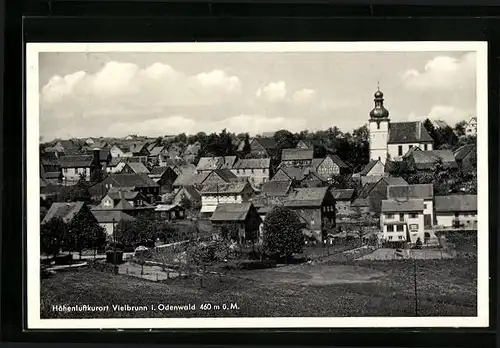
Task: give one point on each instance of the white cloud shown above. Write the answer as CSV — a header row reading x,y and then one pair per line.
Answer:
x,y
447,113
58,87
218,79
443,72
304,96
273,92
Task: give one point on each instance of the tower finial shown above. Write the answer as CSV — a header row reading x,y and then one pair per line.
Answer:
x,y
378,85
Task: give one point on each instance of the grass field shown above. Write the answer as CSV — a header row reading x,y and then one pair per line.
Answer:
x,y
363,288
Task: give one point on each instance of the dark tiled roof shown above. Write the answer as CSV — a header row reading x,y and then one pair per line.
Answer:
x,y
361,202
52,175
402,205
138,167
211,163
456,203
338,161
65,211
366,169
226,188
76,161
194,193
117,193
394,180
427,159
343,194
253,163
231,212
297,154
276,188
156,150
294,173
367,189
306,197
267,143
408,132
158,170
463,151
110,215
225,174
190,179
132,180
422,191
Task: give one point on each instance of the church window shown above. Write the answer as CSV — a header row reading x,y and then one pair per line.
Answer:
x,y
378,125
400,150
379,158
425,147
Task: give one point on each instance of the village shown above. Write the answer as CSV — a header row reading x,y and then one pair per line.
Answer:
x,y
387,191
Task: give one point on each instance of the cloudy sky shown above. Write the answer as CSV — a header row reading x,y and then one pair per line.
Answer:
x,y
115,94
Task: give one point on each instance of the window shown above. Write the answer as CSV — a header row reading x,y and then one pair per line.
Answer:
x,y
400,150
414,227
413,216
425,147
457,214
389,216
410,146
401,217
425,206
400,237
378,125
400,228
379,158
390,237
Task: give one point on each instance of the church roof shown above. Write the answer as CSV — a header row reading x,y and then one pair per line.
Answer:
x,y
408,132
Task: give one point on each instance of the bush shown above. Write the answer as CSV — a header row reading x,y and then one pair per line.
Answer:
x,y
282,232
251,264
63,259
44,272
111,256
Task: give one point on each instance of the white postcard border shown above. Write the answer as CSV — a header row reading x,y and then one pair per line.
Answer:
x,y
32,187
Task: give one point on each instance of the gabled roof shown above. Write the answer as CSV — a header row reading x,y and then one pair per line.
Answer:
x,y
293,173
408,132
65,211
267,143
52,175
456,203
156,150
190,179
194,193
422,191
76,161
226,188
167,207
367,168
115,161
150,147
117,193
338,161
427,159
231,212
110,215
132,180
367,189
394,180
361,202
402,205
138,167
304,144
463,151
137,147
276,188
306,197
69,144
253,163
343,194
297,154
211,163
225,174
158,171
124,205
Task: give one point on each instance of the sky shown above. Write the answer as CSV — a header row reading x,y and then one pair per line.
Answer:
x,y
153,94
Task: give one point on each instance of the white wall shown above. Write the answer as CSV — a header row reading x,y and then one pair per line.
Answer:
x,y
446,219
393,149
214,201
378,140
259,176
108,226
414,233
73,174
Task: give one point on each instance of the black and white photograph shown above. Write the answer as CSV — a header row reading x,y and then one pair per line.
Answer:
x,y
266,185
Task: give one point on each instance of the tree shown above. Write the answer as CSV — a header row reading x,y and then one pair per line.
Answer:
x,y
418,243
53,236
246,147
84,233
185,202
284,139
460,128
282,233
158,141
202,255
134,233
78,193
97,176
229,232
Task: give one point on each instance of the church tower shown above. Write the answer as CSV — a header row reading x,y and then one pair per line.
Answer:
x,y
379,129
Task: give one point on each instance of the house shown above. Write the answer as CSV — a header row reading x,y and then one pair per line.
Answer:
x,y
191,194
155,153
312,179
165,177
220,176
304,145
427,160
118,152
208,164
135,168
263,147
314,205
343,199
418,191
170,212
373,193
295,174
189,179
242,215
139,149
68,211
402,221
89,141
191,152
256,169
471,127
329,166
111,219
67,146
126,200
75,165
276,188
373,172
391,140
116,165
456,211
466,157
136,182
296,157
232,192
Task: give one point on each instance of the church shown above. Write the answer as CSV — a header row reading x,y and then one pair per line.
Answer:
x,y
390,141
